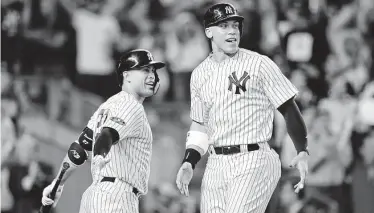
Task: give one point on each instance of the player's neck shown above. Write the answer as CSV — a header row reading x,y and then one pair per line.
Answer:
x,y
219,55
133,94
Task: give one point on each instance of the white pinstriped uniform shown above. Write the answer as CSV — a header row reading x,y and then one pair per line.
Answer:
x,y
236,100
129,158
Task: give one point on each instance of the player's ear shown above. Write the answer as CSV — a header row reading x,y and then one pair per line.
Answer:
x,y
208,32
126,76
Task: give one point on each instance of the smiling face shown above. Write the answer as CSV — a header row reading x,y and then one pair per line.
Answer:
x,y
225,36
141,81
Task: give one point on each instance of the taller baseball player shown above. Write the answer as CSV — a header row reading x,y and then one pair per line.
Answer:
x,y
234,95
121,139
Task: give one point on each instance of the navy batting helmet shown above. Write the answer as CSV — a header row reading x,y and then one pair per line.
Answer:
x,y
137,59
221,12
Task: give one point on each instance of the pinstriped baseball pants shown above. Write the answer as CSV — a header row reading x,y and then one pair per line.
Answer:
x,y
109,197
240,183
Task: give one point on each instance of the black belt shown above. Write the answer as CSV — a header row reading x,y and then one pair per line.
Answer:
x,y
112,179
228,150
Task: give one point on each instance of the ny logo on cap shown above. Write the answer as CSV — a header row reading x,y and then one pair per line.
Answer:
x,y
229,10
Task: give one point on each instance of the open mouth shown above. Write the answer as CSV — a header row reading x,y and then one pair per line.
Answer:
x,y
231,40
150,84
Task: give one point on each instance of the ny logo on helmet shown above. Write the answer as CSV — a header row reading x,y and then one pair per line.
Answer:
x,y
229,10
150,56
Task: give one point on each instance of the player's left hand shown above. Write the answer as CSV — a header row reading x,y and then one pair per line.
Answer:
x,y
98,163
301,163
46,201
184,177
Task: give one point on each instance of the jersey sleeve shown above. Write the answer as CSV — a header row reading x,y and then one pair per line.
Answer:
x,y
197,104
91,123
124,118
275,85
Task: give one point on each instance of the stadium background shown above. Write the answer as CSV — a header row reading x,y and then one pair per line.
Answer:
x,y
48,92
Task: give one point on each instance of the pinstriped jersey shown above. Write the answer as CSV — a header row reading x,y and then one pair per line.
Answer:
x,y
236,98
130,156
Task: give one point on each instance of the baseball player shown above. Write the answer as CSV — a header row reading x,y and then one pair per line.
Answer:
x,y
234,95
121,139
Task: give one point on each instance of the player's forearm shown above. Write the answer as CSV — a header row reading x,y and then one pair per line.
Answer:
x,y
199,127
197,143
69,171
296,127
105,141
75,157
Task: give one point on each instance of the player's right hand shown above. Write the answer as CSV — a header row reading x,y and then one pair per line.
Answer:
x,y
184,177
46,201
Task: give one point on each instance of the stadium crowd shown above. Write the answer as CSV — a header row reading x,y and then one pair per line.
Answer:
x,y
58,53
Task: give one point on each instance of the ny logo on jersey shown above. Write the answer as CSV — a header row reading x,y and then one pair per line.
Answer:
x,y
240,84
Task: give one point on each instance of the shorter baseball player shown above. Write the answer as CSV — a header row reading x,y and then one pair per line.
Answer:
x,y
121,140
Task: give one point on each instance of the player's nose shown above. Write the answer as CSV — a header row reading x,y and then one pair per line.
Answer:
x,y
151,76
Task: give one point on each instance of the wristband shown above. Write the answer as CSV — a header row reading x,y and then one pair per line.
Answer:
x,y
192,156
304,150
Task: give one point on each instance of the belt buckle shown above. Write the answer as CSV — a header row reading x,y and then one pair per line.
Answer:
x,y
226,150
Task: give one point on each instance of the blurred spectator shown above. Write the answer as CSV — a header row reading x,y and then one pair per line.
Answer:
x,y
14,101
186,47
98,37
305,97
163,198
362,140
267,30
49,52
305,44
28,176
11,28
290,202
331,149
8,137
252,29
7,201
307,200
353,62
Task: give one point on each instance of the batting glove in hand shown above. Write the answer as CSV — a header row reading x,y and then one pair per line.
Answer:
x,y
98,163
46,201
184,177
301,162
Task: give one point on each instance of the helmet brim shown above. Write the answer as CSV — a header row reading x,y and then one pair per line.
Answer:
x,y
155,64
231,17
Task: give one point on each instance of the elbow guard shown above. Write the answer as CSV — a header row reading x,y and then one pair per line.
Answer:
x,y
85,139
76,154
